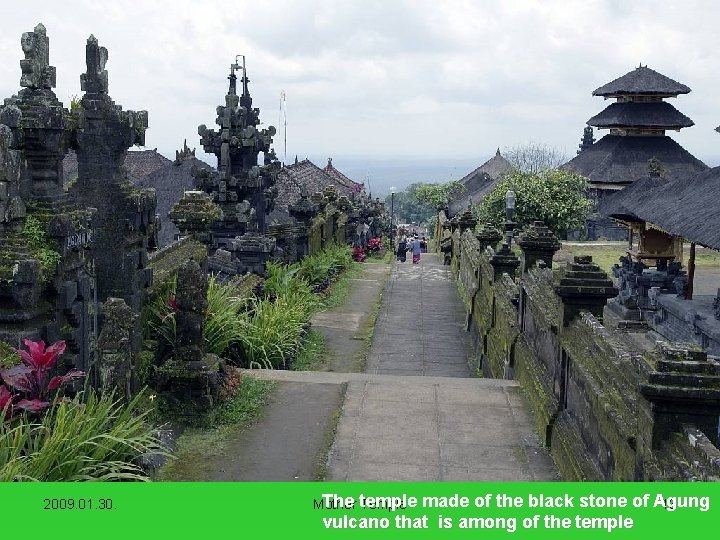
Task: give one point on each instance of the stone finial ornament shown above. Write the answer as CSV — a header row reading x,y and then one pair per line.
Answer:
x,y
37,73
95,80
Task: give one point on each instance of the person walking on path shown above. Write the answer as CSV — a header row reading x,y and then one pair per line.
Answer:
x,y
402,249
416,249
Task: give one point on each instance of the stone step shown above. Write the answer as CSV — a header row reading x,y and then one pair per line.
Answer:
x,y
669,366
692,380
331,377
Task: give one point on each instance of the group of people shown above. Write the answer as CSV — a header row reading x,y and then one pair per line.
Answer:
x,y
414,244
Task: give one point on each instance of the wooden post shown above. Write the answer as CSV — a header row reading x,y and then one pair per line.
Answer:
x,y
691,271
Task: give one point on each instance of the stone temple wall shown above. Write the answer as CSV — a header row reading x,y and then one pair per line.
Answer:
x,y
606,412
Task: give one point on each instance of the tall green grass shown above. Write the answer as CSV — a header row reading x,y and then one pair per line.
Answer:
x,y
268,331
221,326
93,439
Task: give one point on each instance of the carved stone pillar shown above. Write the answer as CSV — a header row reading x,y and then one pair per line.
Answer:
x,y
538,243
583,286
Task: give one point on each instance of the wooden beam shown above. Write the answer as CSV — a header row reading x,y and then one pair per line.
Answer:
x,y
691,272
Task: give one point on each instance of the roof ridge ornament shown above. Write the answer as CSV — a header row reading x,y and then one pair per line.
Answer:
x,y
655,168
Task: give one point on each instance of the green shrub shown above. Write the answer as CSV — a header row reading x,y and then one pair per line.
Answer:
x,y
35,232
327,263
221,317
9,357
93,439
271,332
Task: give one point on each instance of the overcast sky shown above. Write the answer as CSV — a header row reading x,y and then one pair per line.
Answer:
x,y
386,79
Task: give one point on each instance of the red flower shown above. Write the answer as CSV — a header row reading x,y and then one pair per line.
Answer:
x,y
172,303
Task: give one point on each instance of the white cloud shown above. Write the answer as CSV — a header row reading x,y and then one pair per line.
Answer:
x,y
385,78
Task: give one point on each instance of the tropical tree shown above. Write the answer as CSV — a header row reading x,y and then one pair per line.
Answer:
x,y
438,195
554,196
418,203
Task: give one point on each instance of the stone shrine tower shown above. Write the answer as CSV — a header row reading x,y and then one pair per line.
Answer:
x,y
242,187
47,290
125,220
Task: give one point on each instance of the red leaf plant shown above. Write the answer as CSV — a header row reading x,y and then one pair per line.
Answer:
x,y
374,244
6,402
32,381
358,254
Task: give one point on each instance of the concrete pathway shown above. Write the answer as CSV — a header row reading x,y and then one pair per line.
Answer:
x,y
444,427
425,428
346,328
417,414
419,329
289,443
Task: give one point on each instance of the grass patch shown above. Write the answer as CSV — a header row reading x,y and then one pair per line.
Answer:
x,y
198,448
312,353
367,330
340,290
246,406
387,258
603,256
330,433
606,256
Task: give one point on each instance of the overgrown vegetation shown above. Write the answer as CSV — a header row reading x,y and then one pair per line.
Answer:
x,y
273,330
312,352
9,357
245,406
262,331
221,326
197,446
35,232
88,438
553,196
46,437
438,195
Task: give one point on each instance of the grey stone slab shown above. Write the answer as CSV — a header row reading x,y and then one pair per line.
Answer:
x,y
468,413
287,444
397,364
399,371
472,396
542,466
479,456
445,360
466,474
453,370
419,429
395,451
419,415
391,410
363,471
481,434
401,392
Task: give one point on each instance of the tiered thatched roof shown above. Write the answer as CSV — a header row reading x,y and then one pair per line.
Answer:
x,y
621,160
654,115
642,81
